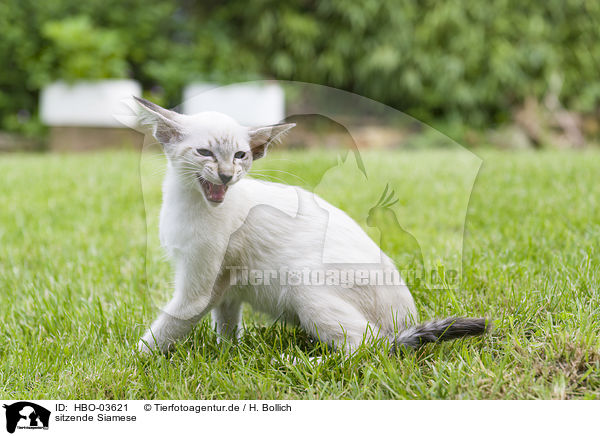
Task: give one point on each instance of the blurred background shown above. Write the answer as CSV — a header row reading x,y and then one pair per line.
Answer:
x,y
508,73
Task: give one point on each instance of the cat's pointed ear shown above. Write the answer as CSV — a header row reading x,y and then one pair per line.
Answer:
x,y
261,137
162,121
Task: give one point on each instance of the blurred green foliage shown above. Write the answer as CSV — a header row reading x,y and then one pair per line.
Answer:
x,y
77,49
463,60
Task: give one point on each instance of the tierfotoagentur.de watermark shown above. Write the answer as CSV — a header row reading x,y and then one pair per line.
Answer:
x,y
342,277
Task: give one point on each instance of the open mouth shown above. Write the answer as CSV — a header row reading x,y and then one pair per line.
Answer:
x,y
213,192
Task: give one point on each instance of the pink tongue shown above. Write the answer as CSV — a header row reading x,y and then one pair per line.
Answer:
x,y
216,192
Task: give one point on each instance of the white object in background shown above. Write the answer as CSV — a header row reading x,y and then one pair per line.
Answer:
x,y
86,103
250,104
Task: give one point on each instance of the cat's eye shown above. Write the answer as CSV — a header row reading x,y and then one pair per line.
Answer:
x,y
240,155
204,152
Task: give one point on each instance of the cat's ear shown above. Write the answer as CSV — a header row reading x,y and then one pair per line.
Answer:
x,y
261,137
162,121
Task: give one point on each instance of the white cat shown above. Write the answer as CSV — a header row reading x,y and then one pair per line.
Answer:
x,y
218,226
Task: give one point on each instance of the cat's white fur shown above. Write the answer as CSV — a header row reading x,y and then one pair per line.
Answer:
x,y
262,226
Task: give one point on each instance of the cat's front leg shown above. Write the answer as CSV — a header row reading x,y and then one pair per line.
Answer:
x,y
174,322
163,333
191,301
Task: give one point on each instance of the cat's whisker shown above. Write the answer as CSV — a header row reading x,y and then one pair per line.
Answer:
x,y
267,178
284,172
260,173
272,179
261,177
189,169
189,165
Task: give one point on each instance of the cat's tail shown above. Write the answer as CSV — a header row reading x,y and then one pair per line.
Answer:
x,y
439,330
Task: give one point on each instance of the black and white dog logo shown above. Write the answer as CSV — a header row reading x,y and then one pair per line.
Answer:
x,y
26,415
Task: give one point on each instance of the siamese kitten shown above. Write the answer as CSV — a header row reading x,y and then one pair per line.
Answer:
x,y
216,225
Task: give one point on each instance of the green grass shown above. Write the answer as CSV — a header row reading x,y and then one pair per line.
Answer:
x,y
76,293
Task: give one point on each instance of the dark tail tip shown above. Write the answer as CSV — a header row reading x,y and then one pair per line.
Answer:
x,y
440,330
461,327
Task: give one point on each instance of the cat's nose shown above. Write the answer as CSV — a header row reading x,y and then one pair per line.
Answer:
x,y
224,178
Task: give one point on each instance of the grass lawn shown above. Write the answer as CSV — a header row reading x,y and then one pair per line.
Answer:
x,y
76,293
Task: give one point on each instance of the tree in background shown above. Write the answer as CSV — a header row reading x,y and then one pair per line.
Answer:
x,y
462,60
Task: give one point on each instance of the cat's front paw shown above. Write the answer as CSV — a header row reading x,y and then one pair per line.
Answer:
x,y
143,348
146,345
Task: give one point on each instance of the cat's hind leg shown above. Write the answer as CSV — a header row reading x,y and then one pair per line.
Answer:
x,y
337,322
227,319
